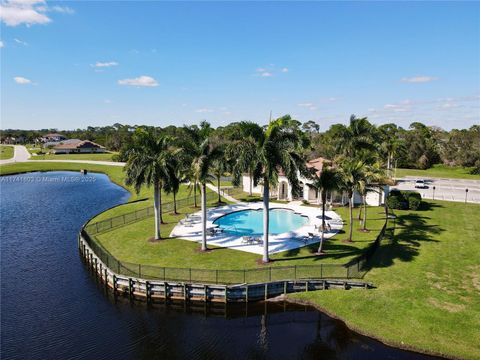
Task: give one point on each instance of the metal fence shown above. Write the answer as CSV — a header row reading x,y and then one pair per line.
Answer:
x,y
354,269
137,215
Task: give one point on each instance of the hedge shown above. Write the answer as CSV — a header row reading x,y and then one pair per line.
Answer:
x,y
404,200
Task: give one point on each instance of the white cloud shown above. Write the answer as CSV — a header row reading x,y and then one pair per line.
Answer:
x,y
308,105
204,110
21,80
61,9
28,12
270,70
1,44
18,41
146,81
419,79
390,106
104,64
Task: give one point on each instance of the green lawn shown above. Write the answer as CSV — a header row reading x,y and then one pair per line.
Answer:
x,y
428,284
97,157
130,243
441,171
6,152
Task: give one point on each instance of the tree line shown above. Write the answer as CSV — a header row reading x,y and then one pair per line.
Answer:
x,y
418,147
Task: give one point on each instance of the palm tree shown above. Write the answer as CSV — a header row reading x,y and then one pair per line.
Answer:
x,y
176,175
373,174
149,163
324,181
278,148
219,168
243,156
355,137
352,175
241,151
191,139
202,161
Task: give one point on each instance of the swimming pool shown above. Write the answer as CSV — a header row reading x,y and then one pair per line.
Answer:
x,y
250,222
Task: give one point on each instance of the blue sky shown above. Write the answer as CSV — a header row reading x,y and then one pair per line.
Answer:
x,y
73,64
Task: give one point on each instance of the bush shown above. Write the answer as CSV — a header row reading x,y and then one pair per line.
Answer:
x,y
476,168
404,200
414,200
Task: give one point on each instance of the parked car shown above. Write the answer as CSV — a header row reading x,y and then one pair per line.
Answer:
x,y
421,184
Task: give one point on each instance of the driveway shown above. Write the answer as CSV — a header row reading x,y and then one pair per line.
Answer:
x,y
20,154
445,189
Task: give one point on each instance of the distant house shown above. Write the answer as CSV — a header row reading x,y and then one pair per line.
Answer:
x,y
54,137
76,146
283,191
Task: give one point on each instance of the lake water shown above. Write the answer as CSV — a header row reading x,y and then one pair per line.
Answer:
x,y
53,308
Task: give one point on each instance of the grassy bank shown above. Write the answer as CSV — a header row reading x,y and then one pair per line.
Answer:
x,y
440,171
95,157
6,152
428,279
130,243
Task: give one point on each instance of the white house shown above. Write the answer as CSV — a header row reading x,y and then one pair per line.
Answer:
x,y
283,191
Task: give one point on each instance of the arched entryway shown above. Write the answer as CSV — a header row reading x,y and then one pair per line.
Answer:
x,y
283,190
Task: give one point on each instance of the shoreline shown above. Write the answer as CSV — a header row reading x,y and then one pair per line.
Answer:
x,y
358,330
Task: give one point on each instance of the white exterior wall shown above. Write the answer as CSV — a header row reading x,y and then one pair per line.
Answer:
x,y
373,198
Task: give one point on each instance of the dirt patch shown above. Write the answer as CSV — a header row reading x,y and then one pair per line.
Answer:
x,y
447,306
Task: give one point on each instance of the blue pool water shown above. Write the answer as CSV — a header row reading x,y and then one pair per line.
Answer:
x,y
250,222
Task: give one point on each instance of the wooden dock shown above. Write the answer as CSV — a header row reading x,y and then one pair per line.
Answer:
x,y
155,290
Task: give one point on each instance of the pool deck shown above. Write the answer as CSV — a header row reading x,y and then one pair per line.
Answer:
x,y
277,243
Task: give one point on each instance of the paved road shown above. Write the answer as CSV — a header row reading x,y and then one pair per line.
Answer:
x,y
445,189
20,154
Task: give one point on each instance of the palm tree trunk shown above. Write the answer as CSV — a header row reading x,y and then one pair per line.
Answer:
x,y
203,190
324,199
156,206
175,202
194,194
266,219
251,184
364,212
360,212
218,187
350,205
160,211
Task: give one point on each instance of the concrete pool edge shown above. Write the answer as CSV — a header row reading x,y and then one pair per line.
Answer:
x,y
277,242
